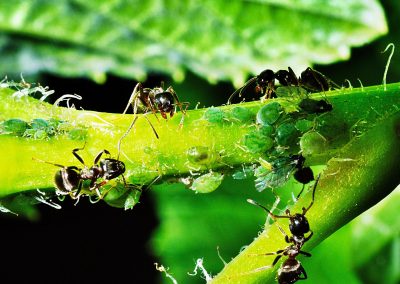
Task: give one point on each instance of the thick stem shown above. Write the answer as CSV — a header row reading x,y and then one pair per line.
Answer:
x,y
219,133
359,176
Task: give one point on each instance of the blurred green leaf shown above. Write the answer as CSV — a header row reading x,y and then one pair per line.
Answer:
x,y
214,39
186,232
380,224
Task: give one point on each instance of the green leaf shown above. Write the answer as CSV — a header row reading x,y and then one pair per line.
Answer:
x,y
214,39
186,233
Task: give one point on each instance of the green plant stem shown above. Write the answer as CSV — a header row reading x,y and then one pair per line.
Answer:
x,y
360,175
147,157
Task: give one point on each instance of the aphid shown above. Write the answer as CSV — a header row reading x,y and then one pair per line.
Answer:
x,y
69,180
298,223
312,106
155,100
280,171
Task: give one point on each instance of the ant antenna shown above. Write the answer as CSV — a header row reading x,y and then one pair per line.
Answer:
x,y
50,163
138,85
251,201
241,89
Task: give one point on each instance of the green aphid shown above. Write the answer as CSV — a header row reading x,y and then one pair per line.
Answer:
x,y
36,134
207,183
266,130
39,123
40,129
312,143
121,196
14,126
256,142
290,92
242,114
200,155
214,115
287,135
304,125
243,173
79,134
269,113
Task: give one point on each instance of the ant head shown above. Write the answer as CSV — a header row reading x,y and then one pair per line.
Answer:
x,y
265,76
165,101
287,78
67,179
299,225
112,168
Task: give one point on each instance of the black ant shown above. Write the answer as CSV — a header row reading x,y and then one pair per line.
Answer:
x,y
155,100
310,79
291,269
69,180
298,225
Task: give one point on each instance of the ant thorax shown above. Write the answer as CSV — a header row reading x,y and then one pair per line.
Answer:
x,y
93,172
292,251
299,240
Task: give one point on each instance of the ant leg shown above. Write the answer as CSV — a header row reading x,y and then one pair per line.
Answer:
x,y
301,191
123,179
186,104
313,195
74,152
133,96
96,187
96,160
309,237
78,191
151,125
179,104
273,216
302,270
271,265
305,253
